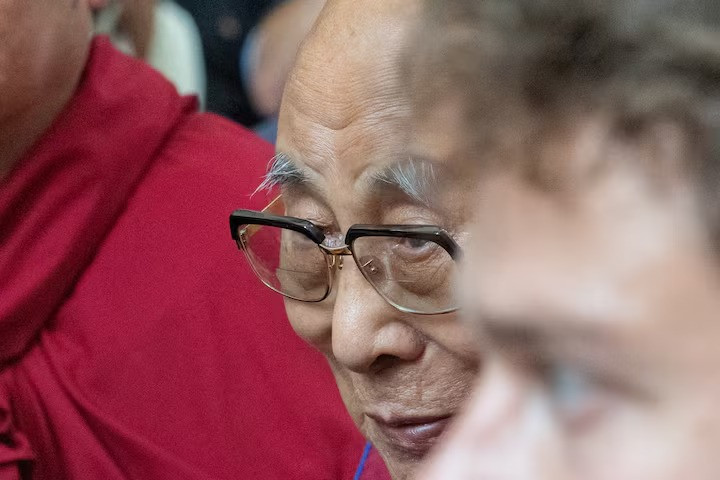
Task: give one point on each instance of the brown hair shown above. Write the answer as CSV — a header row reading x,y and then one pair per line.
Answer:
x,y
533,65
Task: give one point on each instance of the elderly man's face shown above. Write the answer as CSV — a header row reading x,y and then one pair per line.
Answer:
x,y
343,124
596,311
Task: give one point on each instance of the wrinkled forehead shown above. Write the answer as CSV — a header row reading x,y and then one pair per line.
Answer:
x,y
345,100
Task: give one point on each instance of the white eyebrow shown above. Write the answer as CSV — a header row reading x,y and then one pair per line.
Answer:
x,y
415,178
282,172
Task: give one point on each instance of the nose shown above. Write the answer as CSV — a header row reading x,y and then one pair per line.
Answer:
x,y
506,433
367,332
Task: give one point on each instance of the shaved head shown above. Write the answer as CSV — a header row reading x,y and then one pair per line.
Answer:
x,y
348,69
350,39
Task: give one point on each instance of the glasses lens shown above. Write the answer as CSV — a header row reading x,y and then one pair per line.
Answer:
x,y
288,262
415,275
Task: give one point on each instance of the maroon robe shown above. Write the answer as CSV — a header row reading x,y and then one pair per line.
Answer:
x,y
135,343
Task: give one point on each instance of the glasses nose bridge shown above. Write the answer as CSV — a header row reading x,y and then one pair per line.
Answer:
x,y
337,251
336,254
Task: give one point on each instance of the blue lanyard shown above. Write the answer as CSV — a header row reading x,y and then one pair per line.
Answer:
x,y
363,459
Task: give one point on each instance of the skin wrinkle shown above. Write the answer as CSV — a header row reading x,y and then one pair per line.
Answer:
x,y
384,105
334,111
336,114
317,150
319,145
358,117
416,179
373,120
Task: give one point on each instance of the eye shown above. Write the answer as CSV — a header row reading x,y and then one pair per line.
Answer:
x,y
415,243
414,248
308,209
578,399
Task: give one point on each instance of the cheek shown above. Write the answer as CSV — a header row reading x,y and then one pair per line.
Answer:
x,y
650,443
348,393
455,336
312,322
690,438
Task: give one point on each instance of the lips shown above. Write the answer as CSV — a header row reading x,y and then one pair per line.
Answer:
x,y
410,435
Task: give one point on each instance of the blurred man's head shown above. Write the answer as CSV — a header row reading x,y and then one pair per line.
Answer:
x,y
343,159
592,279
43,49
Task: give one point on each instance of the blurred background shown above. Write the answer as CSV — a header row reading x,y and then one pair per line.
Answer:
x,y
235,55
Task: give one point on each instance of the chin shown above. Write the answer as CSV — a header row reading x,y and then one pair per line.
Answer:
x,y
399,468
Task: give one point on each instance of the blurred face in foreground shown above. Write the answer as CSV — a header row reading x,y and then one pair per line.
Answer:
x,y
597,315
593,289
343,159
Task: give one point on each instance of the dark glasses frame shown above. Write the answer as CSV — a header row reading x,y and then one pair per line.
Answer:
x,y
333,255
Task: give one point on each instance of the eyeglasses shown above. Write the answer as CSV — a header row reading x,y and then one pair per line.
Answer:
x,y
411,266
